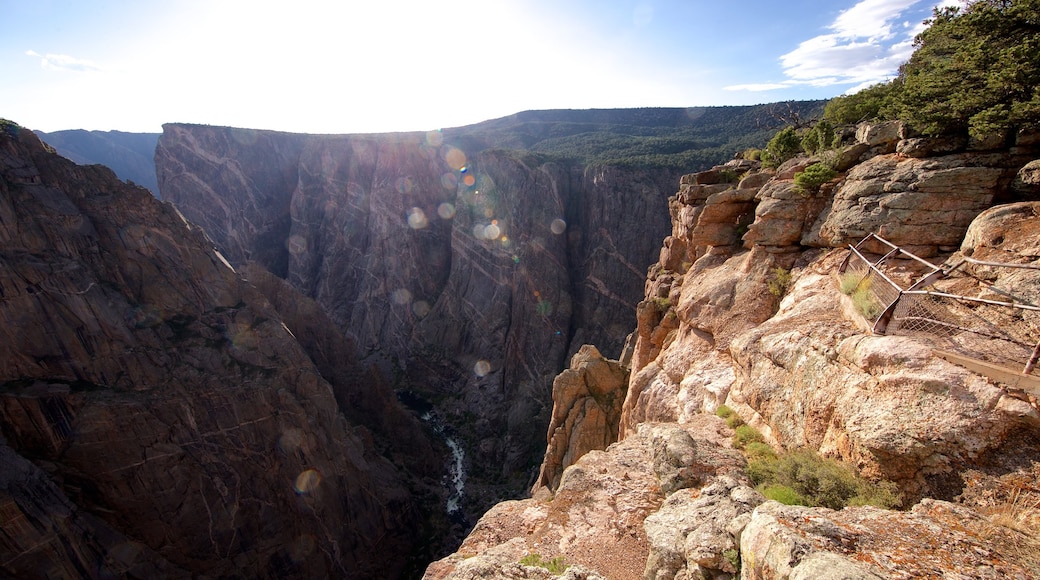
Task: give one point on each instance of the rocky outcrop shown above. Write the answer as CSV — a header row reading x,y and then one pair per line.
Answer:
x,y
602,500
160,417
935,539
469,276
756,321
587,400
925,204
697,532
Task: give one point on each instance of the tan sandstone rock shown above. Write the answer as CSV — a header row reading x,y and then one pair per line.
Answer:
x,y
935,539
587,401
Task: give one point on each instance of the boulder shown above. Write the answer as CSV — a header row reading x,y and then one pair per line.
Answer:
x,y
884,134
587,399
1027,180
912,202
931,146
696,533
935,539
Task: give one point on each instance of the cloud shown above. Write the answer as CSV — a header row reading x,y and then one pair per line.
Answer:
x,y
863,46
63,62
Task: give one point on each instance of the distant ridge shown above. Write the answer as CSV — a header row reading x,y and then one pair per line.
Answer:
x,y
130,155
681,138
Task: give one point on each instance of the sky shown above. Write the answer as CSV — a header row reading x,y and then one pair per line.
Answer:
x,y
353,66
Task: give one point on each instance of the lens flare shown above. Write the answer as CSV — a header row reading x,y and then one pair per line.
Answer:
x,y
481,368
296,245
307,481
405,184
449,181
421,308
544,308
558,226
401,296
455,158
469,180
446,210
434,138
417,218
290,441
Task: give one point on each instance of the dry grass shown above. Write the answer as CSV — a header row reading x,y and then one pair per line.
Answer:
x,y
1019,514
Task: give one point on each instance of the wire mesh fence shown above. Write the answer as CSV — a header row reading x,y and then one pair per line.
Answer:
x,y
953,307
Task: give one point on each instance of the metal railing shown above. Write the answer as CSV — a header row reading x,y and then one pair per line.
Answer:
x,y
993,325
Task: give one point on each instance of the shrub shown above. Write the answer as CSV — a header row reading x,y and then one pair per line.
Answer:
x,y
752,154
782,494
756,450
865,303
730,176
733,557
554,566
813,177
780,281
745,434
723,411
663,303
783,146
865,105
817,481
850,281
819,138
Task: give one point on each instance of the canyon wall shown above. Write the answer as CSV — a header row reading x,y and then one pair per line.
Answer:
x,y
468,276
744,308
159,416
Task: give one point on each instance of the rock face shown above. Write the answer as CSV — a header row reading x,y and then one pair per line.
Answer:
x,y
587,400
934,539
160,418
130,155
743,308
469,276
595,517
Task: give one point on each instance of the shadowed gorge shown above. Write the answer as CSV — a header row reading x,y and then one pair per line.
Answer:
x,y
159,416
467,270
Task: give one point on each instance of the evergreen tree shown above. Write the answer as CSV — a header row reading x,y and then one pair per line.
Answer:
x,y
975,69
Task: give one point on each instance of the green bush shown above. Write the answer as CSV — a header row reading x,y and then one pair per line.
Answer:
x,y
782,494
819,138
723,411
866,105
752,154
733,557
734,421
554,566
816,481
757,450
730,176
745,434
780,281
783,146
809,180
973,69
850,281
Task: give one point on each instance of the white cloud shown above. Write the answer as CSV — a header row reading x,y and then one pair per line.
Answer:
x,y
864,45
63,62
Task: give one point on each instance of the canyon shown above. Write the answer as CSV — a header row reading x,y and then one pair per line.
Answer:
x,y
269,372
743,311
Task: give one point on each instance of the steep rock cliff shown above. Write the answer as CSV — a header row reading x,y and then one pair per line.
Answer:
x,y
160,418
743,307
469,276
